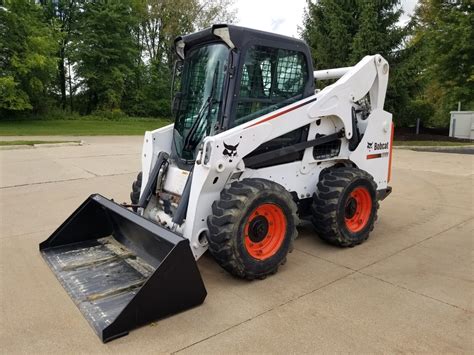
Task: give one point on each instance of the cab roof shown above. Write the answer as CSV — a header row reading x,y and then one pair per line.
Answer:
x,y
237,37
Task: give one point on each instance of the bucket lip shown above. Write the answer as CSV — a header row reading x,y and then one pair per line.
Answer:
x,y
140,220
151,226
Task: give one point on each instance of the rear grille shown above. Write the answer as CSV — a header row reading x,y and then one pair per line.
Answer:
x,y
327,150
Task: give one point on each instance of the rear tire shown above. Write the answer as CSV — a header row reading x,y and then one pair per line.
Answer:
x,y
136,187
252,228
345,206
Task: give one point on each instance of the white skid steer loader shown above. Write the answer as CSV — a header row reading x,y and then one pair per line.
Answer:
x,y
253,150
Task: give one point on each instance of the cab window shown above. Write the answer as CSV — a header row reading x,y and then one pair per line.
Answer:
x,y
271,78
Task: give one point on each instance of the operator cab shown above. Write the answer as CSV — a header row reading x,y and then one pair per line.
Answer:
x,y
231,75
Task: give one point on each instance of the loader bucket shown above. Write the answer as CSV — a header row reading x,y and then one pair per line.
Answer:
x,y
120,269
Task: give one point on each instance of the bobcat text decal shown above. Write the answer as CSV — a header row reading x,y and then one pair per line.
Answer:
x,y
377,146
371,147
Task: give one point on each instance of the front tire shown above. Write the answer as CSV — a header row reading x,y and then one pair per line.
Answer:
x,y
252,228
344,208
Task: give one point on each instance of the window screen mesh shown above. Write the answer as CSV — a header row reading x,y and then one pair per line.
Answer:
x,y
271,78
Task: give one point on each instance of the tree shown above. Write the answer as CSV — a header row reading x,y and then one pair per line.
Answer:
x,y
105,51
341,32
161,21
329,28
28,46
443,31
63,13
108,55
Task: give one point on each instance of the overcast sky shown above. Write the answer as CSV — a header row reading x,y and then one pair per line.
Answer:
x,y
284,16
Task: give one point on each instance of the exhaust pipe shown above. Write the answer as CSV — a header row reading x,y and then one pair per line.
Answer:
x,y
120,269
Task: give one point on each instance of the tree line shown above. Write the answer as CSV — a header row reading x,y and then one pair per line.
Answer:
x,y
91,56
431,57
116,57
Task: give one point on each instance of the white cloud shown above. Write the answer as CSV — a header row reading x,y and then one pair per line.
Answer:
x,y
408,7
279,16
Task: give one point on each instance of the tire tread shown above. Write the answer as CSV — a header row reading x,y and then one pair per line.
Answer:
x,y
226,214
326,201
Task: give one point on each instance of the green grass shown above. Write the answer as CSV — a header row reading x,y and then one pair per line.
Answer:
x,y
80,127
430,143
25,142
91,126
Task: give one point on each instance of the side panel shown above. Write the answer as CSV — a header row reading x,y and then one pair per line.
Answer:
x,y
290,177
153,143
175,180
373,152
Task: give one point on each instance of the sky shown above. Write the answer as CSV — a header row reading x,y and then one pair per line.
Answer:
x,y
284,16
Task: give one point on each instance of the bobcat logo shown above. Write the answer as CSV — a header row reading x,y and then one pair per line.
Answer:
x,y
230,151
369,145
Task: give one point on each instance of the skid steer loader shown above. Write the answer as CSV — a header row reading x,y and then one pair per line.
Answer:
x,y
254,149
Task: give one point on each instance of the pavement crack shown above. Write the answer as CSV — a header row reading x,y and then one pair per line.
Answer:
x,y
64,180
324,259
416,243
413,291
87,171
98,156
46,229
265,312
41,183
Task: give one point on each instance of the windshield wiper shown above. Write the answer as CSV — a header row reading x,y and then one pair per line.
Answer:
x,y
201,116
195,125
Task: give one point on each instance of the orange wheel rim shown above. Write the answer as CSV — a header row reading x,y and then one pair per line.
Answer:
x,y
265,231
357,210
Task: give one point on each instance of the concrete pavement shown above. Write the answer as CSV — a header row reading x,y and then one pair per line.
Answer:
x,y
409,288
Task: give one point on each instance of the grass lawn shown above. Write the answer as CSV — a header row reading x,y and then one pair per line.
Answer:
x,y
80,127
122,127
27,142
430,143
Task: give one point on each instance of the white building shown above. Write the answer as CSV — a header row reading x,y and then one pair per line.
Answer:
x,y
462,124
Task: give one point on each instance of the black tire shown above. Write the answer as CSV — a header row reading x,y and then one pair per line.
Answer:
x,y
136,187
264,210
344,208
